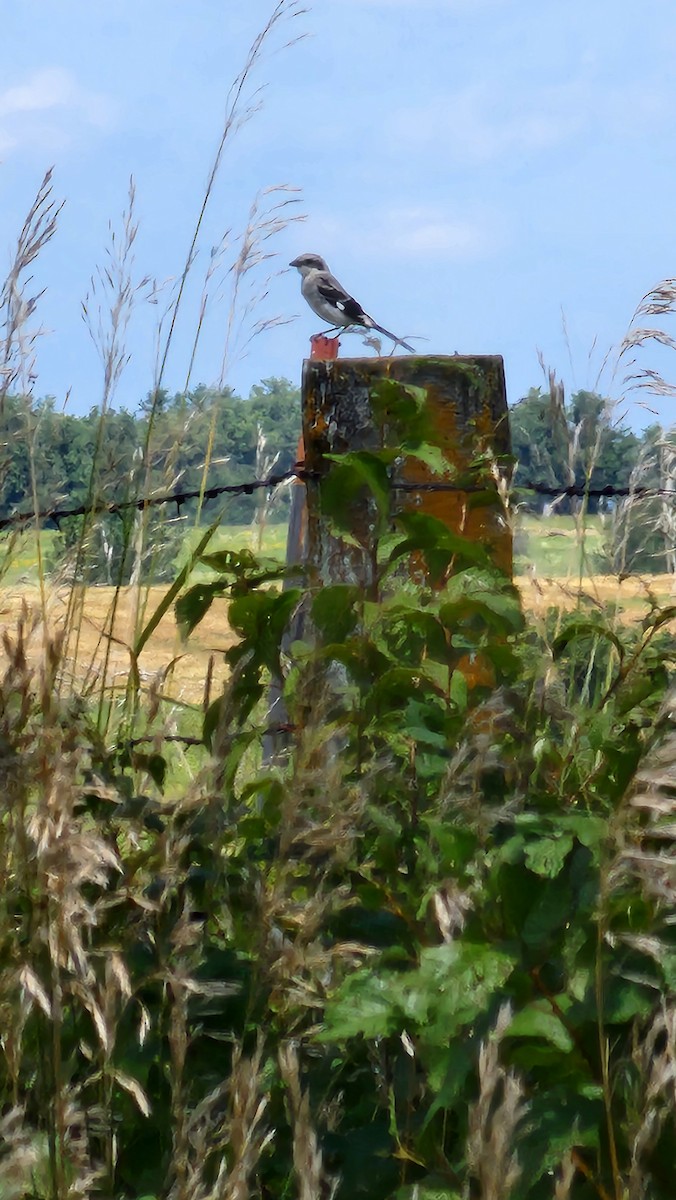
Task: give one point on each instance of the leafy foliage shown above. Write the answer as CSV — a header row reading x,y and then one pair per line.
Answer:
x,y
463,879
423,946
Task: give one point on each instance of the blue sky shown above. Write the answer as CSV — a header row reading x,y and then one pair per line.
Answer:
x,y
471,169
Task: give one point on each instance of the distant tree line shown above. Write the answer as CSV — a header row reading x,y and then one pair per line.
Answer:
x,y
49,457
581,442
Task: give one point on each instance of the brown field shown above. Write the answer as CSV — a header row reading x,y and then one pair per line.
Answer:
x,y
180,670
632,596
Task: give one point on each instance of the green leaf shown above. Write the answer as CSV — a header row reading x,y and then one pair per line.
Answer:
x,y
547,855
260,619
455,847
353,477
623,1001
362,659
558,1120
449,1070
459,691
246,568
402,410
431,537
412,633
483,597
334,611
537,1020
638,688
432,457
452,985
589,830
154,764
396,686
173,591
548,913
667,963
656,619
363,1007
580,628
194,604
459,981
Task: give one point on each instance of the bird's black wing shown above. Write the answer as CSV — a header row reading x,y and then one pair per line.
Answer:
x,y
330,289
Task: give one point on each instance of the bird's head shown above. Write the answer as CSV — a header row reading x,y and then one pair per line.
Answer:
x,y
309,262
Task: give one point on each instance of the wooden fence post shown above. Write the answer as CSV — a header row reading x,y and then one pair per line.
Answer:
x,y
467,417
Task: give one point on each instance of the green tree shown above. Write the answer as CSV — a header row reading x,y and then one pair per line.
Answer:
x,y
576,443
537,445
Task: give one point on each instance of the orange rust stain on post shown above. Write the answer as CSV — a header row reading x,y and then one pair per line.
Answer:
x,y
466,403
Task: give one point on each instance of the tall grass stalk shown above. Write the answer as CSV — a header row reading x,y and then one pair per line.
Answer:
x,y
19,337
107,311
241,105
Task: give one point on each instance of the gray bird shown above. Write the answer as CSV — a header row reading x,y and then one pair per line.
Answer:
x,y
329,300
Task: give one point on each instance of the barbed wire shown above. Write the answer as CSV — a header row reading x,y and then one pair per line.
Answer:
x,y
56,514
117,507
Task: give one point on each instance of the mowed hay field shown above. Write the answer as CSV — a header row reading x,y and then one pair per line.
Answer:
x,y
109,616
555,567
551,569
177,669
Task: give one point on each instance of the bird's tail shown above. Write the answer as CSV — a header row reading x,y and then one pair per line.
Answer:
x,y
386,333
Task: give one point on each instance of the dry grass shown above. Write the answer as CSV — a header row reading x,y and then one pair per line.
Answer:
x,y
104,633
495,1119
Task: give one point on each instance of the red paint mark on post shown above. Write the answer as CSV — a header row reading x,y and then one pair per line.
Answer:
x,y
323,348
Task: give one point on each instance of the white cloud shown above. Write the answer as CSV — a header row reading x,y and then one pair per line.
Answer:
x,y
48,106
481,125
421,231
483,122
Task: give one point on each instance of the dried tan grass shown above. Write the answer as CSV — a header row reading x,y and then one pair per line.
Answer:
x,y
311,1176
659,301
655,1061
224,1138
647,831
51,853
565,1177
18,340
495,1119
